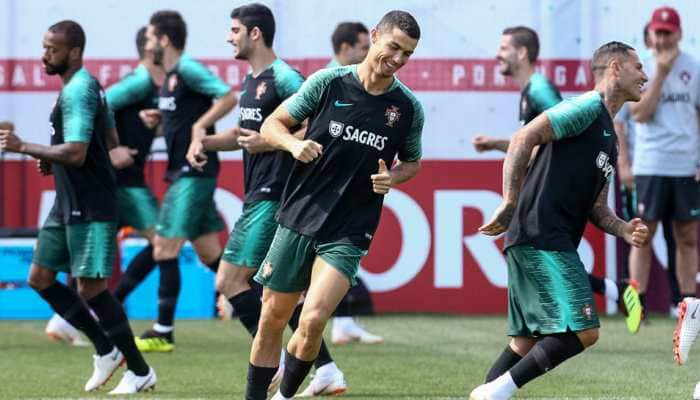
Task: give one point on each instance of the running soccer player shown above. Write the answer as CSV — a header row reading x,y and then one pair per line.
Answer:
x,y
137,206
79,234
551,315
270,82
188,211
360,117
517,57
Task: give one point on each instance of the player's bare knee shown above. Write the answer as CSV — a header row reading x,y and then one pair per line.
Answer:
x,y
588,337
40,278
165,249
311,325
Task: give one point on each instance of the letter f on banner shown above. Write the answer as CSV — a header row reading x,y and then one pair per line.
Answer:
x,y
450,239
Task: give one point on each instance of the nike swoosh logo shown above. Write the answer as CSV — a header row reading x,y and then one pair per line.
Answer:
x,y
338,103
606,133
694,312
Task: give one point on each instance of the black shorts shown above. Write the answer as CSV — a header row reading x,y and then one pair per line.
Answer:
x,y
661,197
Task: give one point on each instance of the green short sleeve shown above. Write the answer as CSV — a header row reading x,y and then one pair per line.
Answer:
x,y
572,116
411,150
287,79
80,99
130,90
200,79
542,93
303,103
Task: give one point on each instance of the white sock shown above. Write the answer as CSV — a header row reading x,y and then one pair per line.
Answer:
x,y
341,322
611,291
329,369
162,328
503,386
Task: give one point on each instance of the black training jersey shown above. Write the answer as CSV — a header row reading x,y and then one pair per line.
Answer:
x,y
186,94
85,193
332,198
566,177
538,95
135,92
266,173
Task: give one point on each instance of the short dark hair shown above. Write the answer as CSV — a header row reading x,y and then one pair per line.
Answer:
x,y
170,24
72,31
401,20
602,56
256,14
141,42
525,37
347,32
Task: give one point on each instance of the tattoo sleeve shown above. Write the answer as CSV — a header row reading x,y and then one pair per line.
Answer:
x,y
539,131
604,218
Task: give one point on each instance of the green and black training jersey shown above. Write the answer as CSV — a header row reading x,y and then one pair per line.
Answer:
x,y
135,92
266,173
332,198
539,95
187,93
86,193
566,177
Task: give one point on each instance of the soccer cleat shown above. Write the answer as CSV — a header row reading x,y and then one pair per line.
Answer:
x,y
632,306
326,385
152,341
104,367
131,383
687,327
485,392
696,392
59,330
350,331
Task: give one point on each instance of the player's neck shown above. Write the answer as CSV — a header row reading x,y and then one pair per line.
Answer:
x,y
157,74
65,77
261,59
373,83
523,74
612,99
170,59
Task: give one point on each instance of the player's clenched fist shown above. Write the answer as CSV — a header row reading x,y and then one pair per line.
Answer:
x,y
381,181
150,117
636,233
306,150
9,141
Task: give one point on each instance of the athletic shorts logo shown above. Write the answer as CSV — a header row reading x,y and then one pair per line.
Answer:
x,y
267,269
392,115
260,90
587,311
336,128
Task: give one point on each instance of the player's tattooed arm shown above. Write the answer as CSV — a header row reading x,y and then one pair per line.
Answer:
x,y
520,151
276,132
634,232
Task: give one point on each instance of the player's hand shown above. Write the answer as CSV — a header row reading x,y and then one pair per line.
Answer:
x,y
44,167
10,142
626,177
122,156
381,181
499,221
636,233
252,142
196,155
482,143
150,117
665,60
306,150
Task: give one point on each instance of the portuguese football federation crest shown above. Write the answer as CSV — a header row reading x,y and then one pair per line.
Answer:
x,y
260,90
392,115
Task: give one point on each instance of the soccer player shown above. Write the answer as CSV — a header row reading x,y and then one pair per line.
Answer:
x,y
687,329
551,314
360,117
79,234
270,82
666,155
350,42
188,211
517,55
136,203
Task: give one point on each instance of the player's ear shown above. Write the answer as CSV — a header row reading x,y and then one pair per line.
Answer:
x,y
255,33
75,53
522,53
374,35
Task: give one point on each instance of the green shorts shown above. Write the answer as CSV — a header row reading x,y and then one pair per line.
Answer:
x,y
252,234
287,266
137,208
548,292
188,210
84,250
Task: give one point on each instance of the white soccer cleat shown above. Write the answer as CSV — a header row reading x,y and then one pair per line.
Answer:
x,y
696,392
485,392
60,330
104,367
346,331
326,385
131,383
687,328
